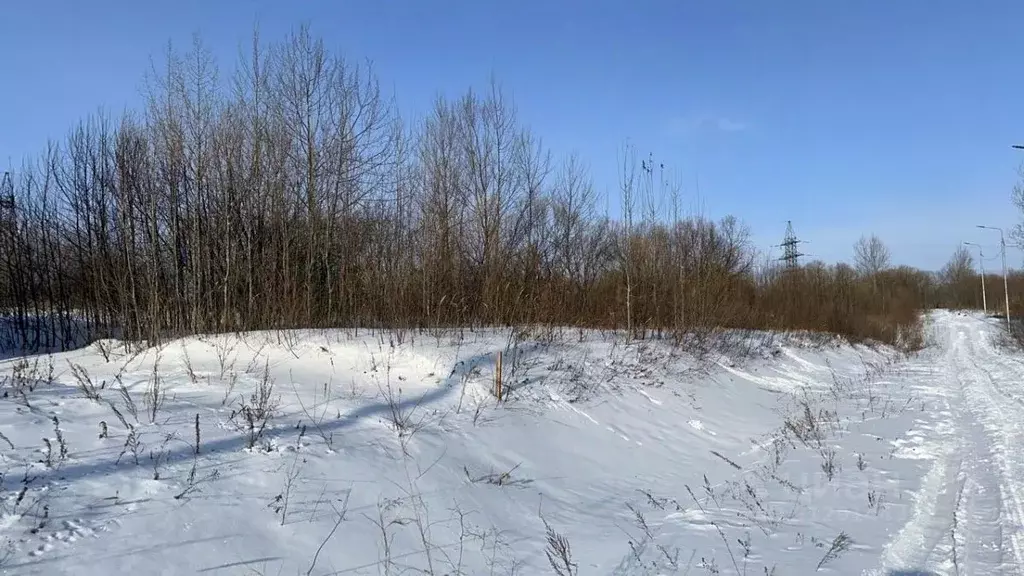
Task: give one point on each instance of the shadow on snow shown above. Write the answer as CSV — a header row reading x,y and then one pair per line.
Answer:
x,y
105,466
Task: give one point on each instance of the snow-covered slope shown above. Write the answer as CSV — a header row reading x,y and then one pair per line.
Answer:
x,y
388,454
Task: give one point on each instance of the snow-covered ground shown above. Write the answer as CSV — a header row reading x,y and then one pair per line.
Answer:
x,y
343,453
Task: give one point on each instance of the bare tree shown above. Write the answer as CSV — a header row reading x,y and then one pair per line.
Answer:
x,y
959,267
960,279
1017,197
870,255
626,247
573,211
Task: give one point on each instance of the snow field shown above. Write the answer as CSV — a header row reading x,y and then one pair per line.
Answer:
x,y
343,453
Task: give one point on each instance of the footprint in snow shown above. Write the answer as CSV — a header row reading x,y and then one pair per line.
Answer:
x,y
76,531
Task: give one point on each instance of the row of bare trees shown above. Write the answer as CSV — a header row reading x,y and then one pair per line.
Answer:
x,y
961,286
291,194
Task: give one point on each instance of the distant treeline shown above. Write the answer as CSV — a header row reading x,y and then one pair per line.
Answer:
x,y
291,194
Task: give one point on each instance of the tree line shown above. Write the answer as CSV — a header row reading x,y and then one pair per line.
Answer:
x,y
290,193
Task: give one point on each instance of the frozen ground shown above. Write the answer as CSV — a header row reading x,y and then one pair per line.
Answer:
x,y
342,453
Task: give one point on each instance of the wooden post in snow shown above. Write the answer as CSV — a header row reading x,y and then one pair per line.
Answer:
x,y
497,377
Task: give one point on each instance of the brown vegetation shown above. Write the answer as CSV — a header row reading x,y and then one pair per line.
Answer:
x,y
293,195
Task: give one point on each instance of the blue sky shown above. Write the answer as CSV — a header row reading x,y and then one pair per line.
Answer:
x,y
844,116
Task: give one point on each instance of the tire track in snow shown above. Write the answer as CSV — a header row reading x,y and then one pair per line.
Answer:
x,y
998,411
926,538
980,528
968,512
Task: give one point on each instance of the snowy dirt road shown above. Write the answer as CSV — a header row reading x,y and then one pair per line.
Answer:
x,y
968,514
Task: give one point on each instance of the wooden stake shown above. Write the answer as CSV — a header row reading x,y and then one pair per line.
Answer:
x,y
497,377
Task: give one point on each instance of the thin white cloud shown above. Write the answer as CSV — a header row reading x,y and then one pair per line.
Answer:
x,y
705,123
730,125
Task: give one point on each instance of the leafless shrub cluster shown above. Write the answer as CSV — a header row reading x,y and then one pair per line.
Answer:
x,y
85,382
193,482
25,376
290,193
26,500
317,413
404,417
155,394
129,405
132,445
158,457
960,286
498,478
55,456
811,424
279,504
255,413
468,543
559,552
836,548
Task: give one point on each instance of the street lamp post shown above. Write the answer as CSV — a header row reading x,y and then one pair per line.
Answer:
x,y
1002,253
981,261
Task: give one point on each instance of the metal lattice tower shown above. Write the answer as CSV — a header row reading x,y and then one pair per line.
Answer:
x,y
790,255
7,192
